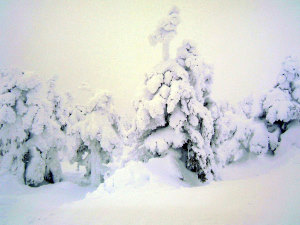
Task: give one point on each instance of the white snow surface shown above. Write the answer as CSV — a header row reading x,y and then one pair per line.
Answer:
x,y
260,190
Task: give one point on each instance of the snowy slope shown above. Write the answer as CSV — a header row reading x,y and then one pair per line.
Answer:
x,y
259,191
20,204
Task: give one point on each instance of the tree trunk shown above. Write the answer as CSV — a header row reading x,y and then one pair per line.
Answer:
x,y
95,166
165,50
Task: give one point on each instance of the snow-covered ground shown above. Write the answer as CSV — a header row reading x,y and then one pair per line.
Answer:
x,y
263,190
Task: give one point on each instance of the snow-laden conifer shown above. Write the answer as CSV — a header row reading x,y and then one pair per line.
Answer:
x,y
30,138
95,137
281,104
172,112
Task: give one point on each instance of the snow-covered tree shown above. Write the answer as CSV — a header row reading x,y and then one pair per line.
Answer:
x,y
256,125
238,135
166,31
281,104
30,138
172,112
95,137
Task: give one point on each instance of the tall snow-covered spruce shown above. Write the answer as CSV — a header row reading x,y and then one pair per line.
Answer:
x,y
30,138
172,111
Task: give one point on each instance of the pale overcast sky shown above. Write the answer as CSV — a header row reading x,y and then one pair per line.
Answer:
x,y
105,42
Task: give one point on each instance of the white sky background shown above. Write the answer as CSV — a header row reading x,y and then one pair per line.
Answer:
x,y
105,42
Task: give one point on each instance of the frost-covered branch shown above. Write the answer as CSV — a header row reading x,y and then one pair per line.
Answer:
x,y
165,32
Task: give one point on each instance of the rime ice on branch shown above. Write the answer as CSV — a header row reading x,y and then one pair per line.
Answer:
x,y
166,31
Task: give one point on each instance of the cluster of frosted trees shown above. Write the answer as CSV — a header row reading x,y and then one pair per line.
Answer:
x,y
174,111
36,124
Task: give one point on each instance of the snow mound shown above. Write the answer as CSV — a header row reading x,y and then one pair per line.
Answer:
x,y
290,139
168,171
253,166
135,174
